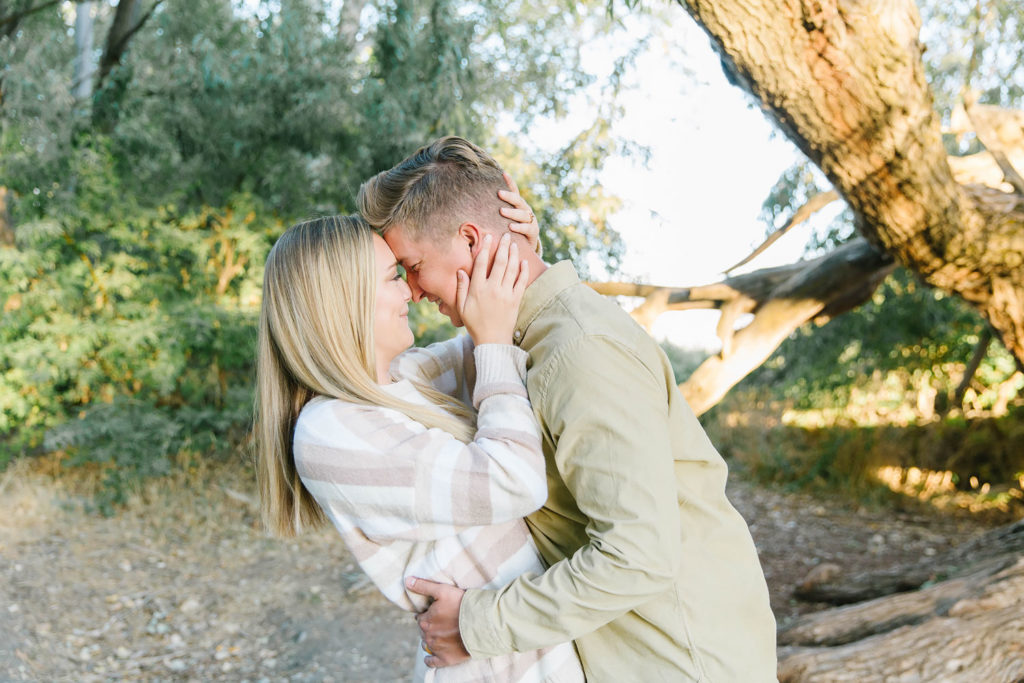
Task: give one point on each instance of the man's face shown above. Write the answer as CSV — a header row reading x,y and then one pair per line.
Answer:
x,y
431,267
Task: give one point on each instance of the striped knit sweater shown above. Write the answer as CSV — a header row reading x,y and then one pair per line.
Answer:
x,y
412,501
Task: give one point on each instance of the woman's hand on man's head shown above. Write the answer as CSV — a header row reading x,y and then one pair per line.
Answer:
x,y
524,222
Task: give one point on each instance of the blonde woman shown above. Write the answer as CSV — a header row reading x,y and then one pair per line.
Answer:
x,y
355,429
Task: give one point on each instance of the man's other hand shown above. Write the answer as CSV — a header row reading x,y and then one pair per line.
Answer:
x,y
439,625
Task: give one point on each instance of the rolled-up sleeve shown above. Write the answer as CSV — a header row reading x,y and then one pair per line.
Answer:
x,y
607,414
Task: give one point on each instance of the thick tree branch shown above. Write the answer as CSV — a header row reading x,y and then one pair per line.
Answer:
x,y
9,22
781,299
967,557
845,82
965,630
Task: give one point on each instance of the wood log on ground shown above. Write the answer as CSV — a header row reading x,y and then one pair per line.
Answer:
x,y
968,629
997,545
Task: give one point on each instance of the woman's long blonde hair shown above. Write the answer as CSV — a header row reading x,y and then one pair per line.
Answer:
x,y
316,338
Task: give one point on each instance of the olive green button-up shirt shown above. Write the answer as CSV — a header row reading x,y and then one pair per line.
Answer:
x,y
652,572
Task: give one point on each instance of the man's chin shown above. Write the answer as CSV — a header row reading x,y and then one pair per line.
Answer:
x,y
455,319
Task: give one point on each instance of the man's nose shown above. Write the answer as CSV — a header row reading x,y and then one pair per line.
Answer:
x,y
410,279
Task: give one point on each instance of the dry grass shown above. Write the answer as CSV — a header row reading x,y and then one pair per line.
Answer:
x,y
956,465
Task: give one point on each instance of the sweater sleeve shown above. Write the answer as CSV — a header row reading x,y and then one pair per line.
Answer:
x,y
392,478
613,452
448,366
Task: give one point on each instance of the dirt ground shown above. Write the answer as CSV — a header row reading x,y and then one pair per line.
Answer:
x,y
183,586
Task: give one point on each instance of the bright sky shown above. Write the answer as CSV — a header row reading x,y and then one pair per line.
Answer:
x,y
693,212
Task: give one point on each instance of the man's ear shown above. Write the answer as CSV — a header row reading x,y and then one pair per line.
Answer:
x,y
472,236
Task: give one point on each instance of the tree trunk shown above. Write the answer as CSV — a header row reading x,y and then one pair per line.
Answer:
x,y
121,31
111,84
6,227
845,81
348,21
81,85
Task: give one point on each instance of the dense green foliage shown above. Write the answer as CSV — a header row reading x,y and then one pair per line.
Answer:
x,y
907,336
143,214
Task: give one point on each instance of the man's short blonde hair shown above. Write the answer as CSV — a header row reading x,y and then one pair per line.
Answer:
x,y
435,190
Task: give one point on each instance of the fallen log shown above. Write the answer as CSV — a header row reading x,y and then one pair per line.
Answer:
x,y
967,629
1001,544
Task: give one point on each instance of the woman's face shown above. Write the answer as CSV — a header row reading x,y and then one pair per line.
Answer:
x,y
391,331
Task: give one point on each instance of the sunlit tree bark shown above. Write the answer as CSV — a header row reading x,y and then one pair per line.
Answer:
x,y
844,81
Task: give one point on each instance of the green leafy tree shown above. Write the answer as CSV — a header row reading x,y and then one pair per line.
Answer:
x,y
140,215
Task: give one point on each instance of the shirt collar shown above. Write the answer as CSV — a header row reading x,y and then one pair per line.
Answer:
x,y
541,292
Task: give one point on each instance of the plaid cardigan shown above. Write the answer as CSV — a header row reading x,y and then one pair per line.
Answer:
x,y
412,501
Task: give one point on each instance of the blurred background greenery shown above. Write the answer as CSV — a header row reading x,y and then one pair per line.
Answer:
x,y
138,201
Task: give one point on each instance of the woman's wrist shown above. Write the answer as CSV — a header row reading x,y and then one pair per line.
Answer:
x,y
500,369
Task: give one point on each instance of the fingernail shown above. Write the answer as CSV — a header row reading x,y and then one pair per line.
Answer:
x,y
410,582
505,237
487,237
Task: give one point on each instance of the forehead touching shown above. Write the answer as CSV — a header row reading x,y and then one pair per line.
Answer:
x,y
383,256
409,246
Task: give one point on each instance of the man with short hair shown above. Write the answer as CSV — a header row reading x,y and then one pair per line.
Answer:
x,y
652,572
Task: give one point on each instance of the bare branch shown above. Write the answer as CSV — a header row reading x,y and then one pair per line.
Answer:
x,y
9,23
972,367
810,207
1002,133
1009,172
